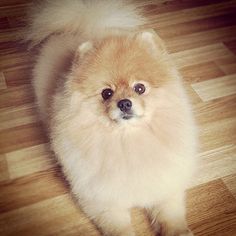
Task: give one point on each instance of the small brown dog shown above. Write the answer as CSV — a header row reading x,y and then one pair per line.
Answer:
x,y
119,120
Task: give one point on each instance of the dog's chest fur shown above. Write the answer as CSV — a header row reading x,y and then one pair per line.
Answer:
x,y
129,171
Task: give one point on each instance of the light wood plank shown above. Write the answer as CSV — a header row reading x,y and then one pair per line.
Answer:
x,y
4,175
211,210
216,88
29,135
31,189
222,110
200,55
2,81
17,116
29,160
227,64
56,216
201,72
223,129
230,182
211,163
200,39
229,69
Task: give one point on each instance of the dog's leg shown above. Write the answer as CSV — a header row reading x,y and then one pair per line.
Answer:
x,y
171,217
153,215
113,221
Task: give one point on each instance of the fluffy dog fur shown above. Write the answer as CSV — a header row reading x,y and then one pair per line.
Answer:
x,y
112,163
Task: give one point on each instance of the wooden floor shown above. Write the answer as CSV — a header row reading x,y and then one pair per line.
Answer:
x,y
35,199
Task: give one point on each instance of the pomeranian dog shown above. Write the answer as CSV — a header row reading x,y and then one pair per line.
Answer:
x,y
119,120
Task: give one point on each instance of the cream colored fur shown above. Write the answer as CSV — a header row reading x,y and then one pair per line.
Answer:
x,y
114,164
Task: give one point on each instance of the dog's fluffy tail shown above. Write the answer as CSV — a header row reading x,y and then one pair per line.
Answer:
x,y
89,18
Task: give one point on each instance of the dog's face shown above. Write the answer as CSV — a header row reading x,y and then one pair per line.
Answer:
x,y
120,78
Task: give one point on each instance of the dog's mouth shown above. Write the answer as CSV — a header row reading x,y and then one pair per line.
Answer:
x,y
127,116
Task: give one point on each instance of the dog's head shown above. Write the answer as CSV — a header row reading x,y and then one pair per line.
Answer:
x,y
120,78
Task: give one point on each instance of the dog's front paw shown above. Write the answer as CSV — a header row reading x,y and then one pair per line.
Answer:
x,y
172,232
186,233
128,234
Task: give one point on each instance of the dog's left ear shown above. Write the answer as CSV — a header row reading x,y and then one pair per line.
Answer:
x,y
151,41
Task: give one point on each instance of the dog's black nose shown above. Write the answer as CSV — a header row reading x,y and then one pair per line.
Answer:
x,y
124,105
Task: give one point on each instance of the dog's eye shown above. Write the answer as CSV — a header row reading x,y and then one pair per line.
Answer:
x,y
107,93
139,88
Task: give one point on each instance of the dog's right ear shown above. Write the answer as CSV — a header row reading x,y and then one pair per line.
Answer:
x,y
82,50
